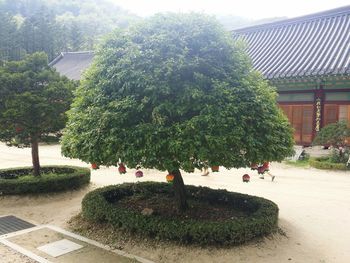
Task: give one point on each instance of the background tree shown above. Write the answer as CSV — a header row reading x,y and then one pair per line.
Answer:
x,y
175,92
334,135
76,37
9,37
33,102
54,26
38,32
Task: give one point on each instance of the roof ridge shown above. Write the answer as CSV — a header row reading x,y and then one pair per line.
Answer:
x,y
56,59
78,52
62,54
314,16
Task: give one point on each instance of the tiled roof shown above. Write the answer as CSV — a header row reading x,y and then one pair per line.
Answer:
x,y
312,45
72,64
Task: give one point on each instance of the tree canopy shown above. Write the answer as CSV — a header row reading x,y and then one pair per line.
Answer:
x,y
175,92
334,134
33,102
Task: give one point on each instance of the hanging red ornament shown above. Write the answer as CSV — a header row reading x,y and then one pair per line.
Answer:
x,y
246,178
94,166
139,174
121,168
215,169
169,178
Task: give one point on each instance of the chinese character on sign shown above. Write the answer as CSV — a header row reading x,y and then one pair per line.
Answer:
x,y
318,114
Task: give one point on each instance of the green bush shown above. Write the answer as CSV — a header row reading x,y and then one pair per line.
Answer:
x,y
262,215
326,164
340,155
53,179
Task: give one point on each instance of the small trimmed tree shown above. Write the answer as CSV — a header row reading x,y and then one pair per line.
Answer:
x,y
334,135
33,102
175,93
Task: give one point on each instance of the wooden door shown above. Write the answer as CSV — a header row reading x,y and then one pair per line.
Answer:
x,y
301,119
288,111
297,121
344,115
307,125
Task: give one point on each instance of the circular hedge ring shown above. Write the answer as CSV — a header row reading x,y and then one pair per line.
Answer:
x,y
261,214
52,179
324,163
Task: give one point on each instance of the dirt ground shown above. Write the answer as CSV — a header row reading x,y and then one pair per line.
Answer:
x,y
87,253
8,255
314,210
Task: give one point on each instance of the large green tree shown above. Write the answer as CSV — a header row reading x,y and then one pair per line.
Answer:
x,y
33,102
175,93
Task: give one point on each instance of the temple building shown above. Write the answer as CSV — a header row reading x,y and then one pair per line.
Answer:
x,y
72,64
308,60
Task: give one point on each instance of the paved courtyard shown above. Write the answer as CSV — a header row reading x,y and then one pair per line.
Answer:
x,y
314,210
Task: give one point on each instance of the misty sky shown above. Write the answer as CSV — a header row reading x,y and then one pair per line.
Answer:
x,y
255,9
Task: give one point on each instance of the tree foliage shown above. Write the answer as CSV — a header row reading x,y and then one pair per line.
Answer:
x,y
175,92
33,101
334,134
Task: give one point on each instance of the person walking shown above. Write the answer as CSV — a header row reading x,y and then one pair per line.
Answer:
x,y
265,168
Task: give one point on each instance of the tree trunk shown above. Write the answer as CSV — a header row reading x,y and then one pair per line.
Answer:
x,y
180,191
35,156
341,153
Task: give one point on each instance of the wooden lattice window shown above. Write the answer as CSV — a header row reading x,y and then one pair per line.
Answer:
x,y
331,114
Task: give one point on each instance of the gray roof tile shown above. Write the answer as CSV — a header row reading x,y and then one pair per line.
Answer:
x,y
72,64
312,45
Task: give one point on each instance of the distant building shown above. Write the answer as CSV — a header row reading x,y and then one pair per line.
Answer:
x,y
72,64
308,60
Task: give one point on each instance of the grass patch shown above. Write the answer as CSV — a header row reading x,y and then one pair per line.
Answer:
x,y
325,163
299,163
302,163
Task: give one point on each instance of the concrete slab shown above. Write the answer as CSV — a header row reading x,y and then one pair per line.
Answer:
x,y
47,244
59,248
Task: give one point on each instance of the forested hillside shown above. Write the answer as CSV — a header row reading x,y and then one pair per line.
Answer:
x,y
53,26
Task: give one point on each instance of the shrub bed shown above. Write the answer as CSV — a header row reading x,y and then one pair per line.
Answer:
x,y
325,163
261,215
52,179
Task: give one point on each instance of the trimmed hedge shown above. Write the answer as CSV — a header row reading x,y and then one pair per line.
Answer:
x,y
262,219
52,179
324,163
